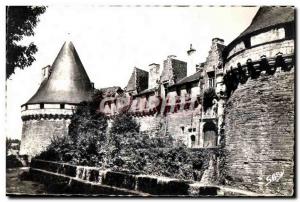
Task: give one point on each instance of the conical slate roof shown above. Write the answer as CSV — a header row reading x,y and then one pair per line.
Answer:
x,y
269,16
68,82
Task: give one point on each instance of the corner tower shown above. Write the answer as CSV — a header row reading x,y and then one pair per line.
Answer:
x,y
48,112
259,126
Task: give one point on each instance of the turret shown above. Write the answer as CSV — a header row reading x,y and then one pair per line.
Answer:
x,y
48,112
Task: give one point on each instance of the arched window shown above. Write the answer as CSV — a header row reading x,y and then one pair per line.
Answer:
x,y
210,134
193,141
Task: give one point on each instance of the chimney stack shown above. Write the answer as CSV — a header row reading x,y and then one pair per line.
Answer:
x,y
153,75
217,41
191,61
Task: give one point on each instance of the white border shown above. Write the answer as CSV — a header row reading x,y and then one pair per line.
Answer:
x,y
108,2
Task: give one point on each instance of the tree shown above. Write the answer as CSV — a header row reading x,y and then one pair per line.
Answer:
x,y
87,131
20,22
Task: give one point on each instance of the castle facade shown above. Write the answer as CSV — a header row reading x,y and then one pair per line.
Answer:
x,y
241,99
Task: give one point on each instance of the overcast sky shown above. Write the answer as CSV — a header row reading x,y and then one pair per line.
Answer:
x,y
112,40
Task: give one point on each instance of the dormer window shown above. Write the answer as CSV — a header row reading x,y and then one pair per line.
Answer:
x,y
211,79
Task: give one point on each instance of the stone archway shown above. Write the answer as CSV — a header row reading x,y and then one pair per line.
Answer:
x,y
210,132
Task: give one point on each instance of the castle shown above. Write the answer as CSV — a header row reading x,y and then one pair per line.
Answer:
x,y
241,98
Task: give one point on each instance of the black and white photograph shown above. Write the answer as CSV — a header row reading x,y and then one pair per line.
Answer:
x,y
148,101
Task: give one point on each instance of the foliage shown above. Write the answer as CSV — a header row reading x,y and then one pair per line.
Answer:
x,y
9,144
12,161
124,148
59,149
136,152
123,123
208,97
20,22
85,141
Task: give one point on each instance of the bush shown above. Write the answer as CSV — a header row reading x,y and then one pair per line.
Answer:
x,y
88,133
13,162
124,148
124,123
84,143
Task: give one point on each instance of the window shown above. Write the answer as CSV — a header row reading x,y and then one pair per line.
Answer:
x,y
26,107
211,82
178,91
194,129
211,79
188,88
190,130
62,106
193,141
42,106
182,129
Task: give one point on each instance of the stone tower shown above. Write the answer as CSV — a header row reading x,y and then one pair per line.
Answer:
x,y
259,121
47,113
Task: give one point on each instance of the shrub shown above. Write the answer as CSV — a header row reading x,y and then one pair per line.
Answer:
x,y
124,148
13,162
124,123
84,143
60,149
9,145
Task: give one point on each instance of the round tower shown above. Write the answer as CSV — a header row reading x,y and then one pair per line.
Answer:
x,y
259,113
48,112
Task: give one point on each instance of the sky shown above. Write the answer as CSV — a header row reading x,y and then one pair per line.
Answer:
x,y
111,41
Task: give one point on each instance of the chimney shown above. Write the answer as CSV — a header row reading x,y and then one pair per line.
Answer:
x,y
153,75
171,56
191,60
217,41
46,71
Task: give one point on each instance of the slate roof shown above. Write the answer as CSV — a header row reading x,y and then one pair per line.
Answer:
x,y
147,91
68,82
188,79
138,80
111,91
268,16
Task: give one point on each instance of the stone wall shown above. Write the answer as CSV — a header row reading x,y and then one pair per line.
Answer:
x,y
150,123
36,134
259,134
177,125
70,179
269,50
272,35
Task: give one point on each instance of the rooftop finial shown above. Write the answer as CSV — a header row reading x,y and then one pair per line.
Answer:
x,y
68,37
191,50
